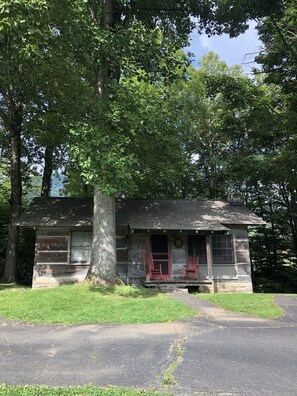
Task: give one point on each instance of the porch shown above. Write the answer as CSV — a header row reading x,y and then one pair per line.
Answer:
x,y
180,283
161,271
159,260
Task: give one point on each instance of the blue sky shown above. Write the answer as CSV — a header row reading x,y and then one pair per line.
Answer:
x,y
232,51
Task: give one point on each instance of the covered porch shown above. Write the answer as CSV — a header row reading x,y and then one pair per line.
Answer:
x,y
168,252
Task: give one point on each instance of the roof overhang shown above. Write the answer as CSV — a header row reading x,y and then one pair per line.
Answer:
x,y
195,226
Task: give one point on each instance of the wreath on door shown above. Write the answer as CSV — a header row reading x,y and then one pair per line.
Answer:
x,y
178,242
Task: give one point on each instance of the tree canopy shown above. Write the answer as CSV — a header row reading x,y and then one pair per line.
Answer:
x,y
103,81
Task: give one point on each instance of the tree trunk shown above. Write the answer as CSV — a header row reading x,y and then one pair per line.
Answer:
x,y
10,271
273,235
269,261
103,260
290,200
47,172
293,219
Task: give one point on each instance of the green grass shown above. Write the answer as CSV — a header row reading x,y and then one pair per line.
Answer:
x,y
90,304
259,305
76,391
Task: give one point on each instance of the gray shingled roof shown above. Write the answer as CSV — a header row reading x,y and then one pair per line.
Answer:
x,y
140,214
59,212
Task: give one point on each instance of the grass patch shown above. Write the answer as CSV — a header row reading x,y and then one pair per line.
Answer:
x,y
75,391
259,305
168,377
90,304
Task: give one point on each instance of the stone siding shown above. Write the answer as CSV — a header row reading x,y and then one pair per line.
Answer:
x,y
224,286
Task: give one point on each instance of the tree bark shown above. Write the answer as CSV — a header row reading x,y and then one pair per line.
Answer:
x,y
294,220
10,271
269,262
290,200
273,235
47,172
103,258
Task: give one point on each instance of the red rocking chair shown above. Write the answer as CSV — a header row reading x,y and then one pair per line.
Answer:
x,y
155,270
191,268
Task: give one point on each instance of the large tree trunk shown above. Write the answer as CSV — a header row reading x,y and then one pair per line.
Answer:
x,y
10,271
103,261
47,172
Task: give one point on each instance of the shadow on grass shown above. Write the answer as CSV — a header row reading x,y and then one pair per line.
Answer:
x,y
124,291
113,291
7,286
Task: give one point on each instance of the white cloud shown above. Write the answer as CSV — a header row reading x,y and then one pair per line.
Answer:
x,y
240,50
205,42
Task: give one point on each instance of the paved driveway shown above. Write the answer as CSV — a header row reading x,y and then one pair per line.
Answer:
x,y
222,353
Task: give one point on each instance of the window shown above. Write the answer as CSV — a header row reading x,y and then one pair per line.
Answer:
x,y
197,247
81,245
222,249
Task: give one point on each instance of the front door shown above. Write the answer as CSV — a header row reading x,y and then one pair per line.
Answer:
x,y
160,253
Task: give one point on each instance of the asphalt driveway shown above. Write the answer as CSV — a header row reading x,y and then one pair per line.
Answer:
x,y
217,353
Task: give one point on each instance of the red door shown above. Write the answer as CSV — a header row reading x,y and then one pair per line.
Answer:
x,y
160,253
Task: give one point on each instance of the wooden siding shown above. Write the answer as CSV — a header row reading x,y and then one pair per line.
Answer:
x,y
52,243
52,266
51,257
51,246
52,276
59,269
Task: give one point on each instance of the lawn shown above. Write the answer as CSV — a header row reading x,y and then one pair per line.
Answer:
x,y
259,305
90,304
77,391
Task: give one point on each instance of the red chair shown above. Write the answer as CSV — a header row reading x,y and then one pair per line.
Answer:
x,y
155,270
191,268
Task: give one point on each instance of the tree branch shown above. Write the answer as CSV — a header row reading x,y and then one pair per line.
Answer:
x,y
282,37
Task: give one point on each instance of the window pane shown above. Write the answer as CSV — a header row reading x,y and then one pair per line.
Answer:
x,y
222,249
197,247
81,245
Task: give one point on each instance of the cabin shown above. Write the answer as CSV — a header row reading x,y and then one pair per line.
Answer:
x,y
155,239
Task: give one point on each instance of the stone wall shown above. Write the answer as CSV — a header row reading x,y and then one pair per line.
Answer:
x,y
231,286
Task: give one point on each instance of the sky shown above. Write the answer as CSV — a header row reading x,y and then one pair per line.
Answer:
x,y
240,50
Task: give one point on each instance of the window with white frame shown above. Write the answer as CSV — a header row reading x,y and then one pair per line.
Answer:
x,y
80,247
222,249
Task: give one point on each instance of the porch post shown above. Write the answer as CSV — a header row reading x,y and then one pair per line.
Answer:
x,y
147,257
209,258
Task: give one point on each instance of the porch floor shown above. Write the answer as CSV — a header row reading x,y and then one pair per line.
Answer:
x,y
176,282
